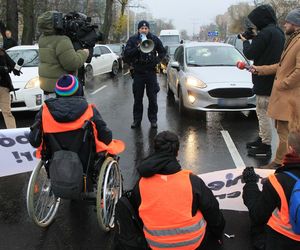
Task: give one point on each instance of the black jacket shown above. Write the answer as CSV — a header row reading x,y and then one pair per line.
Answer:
x,y
68,109
6,66
203,198
9,43
143,61
266,48
261,204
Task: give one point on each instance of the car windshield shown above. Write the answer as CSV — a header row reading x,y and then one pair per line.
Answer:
x,y
172,50
116,48
213,56
30,56
169,39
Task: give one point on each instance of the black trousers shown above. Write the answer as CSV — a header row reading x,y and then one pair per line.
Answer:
x,y
141,81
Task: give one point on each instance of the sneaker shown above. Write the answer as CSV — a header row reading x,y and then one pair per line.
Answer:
x,y
254,144
135,124
271,165
263,150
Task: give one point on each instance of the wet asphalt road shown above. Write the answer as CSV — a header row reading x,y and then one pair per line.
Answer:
x,y
202,150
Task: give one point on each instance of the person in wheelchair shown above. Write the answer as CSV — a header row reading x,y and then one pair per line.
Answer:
x,y
68,122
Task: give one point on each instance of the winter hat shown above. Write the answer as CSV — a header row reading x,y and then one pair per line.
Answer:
x,y
67,85
293,17
143,23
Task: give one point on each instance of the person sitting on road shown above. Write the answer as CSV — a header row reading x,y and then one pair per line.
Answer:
x,y
64,116
176,207
270,206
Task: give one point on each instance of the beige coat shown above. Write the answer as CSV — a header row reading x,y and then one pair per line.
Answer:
x,y
286,87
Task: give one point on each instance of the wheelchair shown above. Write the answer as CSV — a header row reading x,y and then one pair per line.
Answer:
x,y
102,187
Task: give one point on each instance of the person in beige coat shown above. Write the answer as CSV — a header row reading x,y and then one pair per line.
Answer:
x,y
286,85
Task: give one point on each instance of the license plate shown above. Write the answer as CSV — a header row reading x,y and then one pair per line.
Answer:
x,y
230,102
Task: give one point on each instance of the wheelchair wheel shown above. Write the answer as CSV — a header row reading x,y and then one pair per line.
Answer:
x,y
109,190
42,204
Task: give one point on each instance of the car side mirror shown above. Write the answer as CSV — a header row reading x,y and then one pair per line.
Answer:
x,y
97,55
175,65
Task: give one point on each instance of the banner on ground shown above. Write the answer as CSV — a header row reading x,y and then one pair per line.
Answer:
x,y
16,153
18,156
227,186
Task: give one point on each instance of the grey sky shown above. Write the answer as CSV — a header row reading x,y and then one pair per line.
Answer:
x,y
188,14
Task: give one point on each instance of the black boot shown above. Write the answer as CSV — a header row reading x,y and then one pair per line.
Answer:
x,y
136,124
254,144
263,150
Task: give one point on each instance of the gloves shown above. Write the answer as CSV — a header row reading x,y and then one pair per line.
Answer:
x,y
249,175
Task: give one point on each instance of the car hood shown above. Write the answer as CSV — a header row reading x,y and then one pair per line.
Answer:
x,y
220,74
27,74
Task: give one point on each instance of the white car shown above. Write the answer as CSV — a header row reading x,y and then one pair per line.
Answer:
x,y
28,95
203,76
104,60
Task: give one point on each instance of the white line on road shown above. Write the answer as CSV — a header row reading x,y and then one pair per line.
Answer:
x,y
237,159
97,90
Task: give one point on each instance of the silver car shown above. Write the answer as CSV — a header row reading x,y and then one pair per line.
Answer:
x,y
203,76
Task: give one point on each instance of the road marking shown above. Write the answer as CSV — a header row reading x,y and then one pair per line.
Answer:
x,y
97,90
237,159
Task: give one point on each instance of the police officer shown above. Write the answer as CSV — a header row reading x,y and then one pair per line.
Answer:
x,y
144,68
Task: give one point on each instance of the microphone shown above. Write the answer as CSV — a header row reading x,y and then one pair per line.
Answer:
x,y
242,65
18,66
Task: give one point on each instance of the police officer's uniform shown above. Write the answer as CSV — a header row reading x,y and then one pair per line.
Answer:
x,y
144,65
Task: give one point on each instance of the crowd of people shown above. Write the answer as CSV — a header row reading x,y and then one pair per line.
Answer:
x,y
176,208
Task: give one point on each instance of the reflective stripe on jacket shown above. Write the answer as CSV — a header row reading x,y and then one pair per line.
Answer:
x,y
52,126
279,221
166,211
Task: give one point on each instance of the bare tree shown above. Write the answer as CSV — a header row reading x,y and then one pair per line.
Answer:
x,y
28,18
12,17
107,19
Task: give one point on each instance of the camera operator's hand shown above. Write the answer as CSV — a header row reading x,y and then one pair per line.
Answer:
x,y
249,175
87,51
242,37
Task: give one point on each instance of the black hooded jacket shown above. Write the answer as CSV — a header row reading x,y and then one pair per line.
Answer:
x,y
266,48
6,66
68,109
143,61
203,199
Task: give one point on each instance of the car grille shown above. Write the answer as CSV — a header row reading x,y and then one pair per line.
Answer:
x,y
18,104
231,93
216,106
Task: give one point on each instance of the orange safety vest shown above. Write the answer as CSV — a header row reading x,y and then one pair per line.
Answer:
x,y
52,126
166,211
280,219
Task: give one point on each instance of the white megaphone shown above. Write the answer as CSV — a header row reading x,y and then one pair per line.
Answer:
x,y
147,45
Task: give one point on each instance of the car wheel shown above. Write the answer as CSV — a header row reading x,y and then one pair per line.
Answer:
x,y
89,73
114,69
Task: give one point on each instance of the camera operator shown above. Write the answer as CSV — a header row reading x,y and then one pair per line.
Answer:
x,y
143,70
265,49
57,54
7,65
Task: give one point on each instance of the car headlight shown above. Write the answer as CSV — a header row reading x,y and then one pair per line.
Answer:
x,y
33,83
194,82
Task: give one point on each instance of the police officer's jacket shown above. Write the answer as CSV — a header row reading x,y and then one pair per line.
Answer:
x,y
143,61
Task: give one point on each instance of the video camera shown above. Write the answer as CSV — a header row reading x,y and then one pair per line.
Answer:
x,y
79,29
248,34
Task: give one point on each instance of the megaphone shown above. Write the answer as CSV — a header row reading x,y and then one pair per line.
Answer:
x,y
147,45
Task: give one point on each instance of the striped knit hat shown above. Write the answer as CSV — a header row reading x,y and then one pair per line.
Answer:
x,y
67,85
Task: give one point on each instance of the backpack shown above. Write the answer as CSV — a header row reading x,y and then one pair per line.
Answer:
x,y
294,206
129,229
66,171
